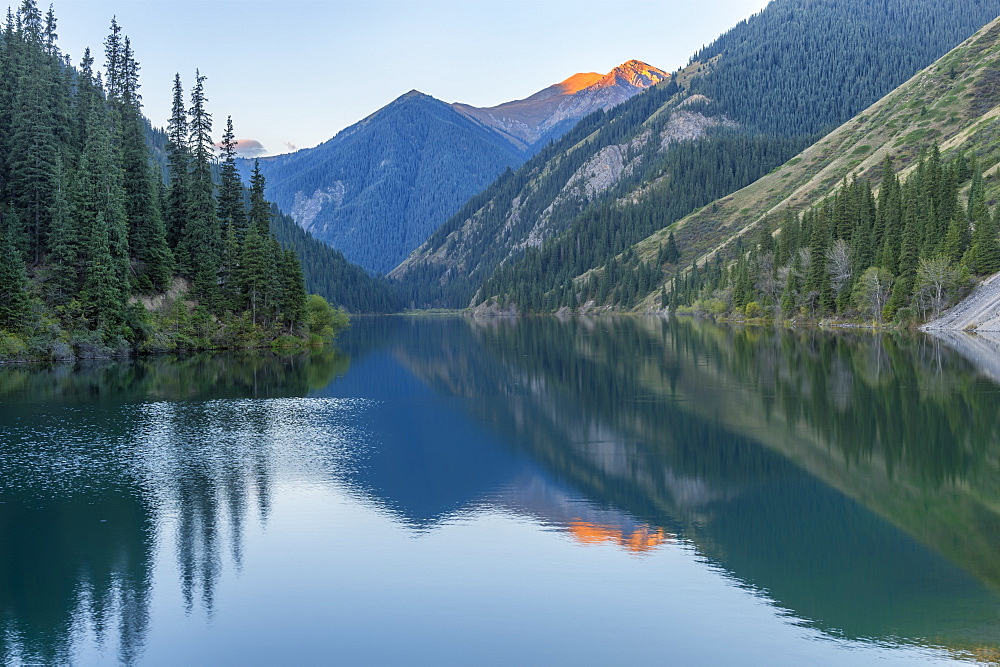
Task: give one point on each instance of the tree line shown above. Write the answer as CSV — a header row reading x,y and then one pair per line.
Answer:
x,y
904,254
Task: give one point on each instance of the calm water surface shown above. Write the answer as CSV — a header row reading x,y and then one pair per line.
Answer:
x,y
444,491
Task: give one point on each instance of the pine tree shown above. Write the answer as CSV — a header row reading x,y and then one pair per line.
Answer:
x,y
292,290
231,207
673,253
103,293
255,272
229,270
114,66
8,91
34,150
148,249
100,212
178,163
889,219
818,280
959,238
202,239
985,251
14,303
64,247
909,255
260,210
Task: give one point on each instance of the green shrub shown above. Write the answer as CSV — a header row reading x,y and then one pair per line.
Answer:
x,y
287,341
717,307
11,346
322,319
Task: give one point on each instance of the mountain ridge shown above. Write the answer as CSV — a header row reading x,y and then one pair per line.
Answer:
x,y
526,122
378,188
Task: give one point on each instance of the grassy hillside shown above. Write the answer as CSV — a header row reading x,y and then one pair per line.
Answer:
x,y
954,103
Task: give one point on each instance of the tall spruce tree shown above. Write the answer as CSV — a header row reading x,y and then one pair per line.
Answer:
x,y
260,210
232,216
231,207
202,240
985,251
33,149
179,183
100,213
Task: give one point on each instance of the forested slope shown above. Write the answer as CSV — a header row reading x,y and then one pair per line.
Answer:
x,y
762,93
902,196
380,187
328,273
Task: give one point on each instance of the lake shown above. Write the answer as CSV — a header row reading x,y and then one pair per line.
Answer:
x,y
536,491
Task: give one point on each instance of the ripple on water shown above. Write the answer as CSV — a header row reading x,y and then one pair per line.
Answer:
x,y
161,445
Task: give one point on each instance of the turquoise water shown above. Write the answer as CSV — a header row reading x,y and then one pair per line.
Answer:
x,y
447,491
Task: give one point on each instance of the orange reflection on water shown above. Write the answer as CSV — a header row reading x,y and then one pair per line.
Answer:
x,y
640,540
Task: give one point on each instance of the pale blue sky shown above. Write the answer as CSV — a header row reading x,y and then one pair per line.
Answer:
x,y
295,72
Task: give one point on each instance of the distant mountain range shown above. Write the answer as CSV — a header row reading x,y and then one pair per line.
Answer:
x,y
379,188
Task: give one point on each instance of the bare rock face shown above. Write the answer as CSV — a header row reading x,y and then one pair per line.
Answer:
x,y
980,311
608,166
306,208
688,126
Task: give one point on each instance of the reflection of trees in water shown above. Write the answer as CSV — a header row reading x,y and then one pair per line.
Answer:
x,y
80,561
206,460
695,428
78,511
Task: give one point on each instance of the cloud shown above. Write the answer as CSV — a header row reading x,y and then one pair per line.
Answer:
x,y
291,146
247,148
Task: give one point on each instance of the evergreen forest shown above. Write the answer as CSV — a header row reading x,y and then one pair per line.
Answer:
x,y
99,254
904,254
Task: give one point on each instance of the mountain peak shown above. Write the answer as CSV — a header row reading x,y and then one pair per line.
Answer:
x,y
412,93
634,73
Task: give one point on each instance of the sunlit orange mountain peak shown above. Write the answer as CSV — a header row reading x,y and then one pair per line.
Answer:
x,y
634,73
552,110
578,82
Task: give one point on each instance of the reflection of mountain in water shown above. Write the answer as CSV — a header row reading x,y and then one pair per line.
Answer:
x,y
849,479
744,444
76,504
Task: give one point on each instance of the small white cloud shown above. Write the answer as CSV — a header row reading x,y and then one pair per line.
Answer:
x,y
290,146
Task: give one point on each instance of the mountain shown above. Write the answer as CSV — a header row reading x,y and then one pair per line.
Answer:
x,y
743,106
380,187
550,112
909,180
328,273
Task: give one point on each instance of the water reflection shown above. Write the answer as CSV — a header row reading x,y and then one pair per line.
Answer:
x,y
847,479
851,478
86,478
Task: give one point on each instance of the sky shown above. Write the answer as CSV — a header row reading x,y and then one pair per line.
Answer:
x,y
293,73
